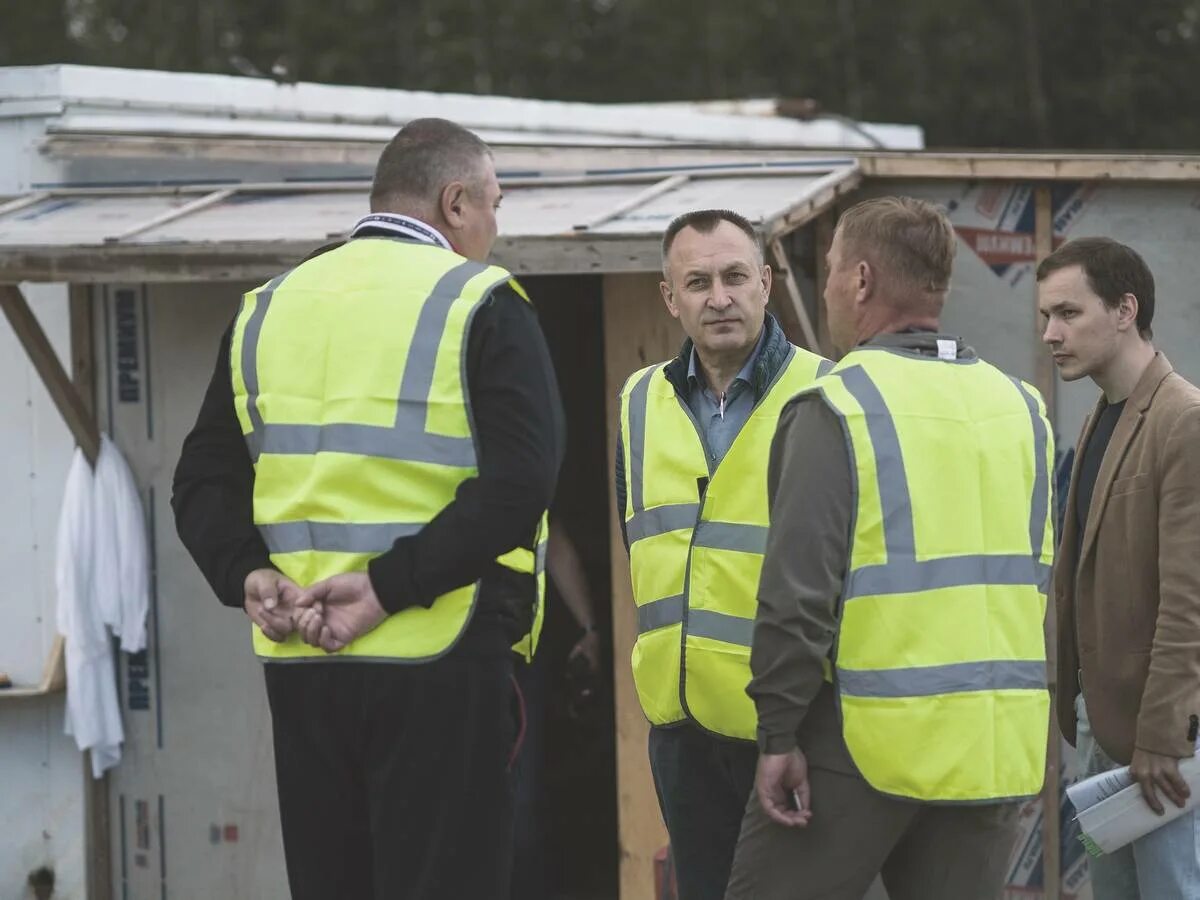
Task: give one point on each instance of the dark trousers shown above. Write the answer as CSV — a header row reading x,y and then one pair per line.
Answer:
x,y
923,851
702,782
393,779
530,877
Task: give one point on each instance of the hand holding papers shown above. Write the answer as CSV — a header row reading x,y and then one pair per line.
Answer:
x,y
1113,812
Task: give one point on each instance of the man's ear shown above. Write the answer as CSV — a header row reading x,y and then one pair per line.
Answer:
x,y
453,200
865,278
669,298
765,277
1127,312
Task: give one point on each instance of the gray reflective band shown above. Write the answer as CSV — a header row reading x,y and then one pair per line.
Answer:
x,y
704,623
824,367
250,362
334,537
904,573
411,443
660,520
720,627
431,325
638,399
407,439
539,558
660,613
894,499
731,536
909,576
1041,478
956,678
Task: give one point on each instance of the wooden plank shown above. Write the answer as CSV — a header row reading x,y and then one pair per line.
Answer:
x,y
211,199
818,198
97,823
794,299
1046,383
53,680
70,406
1064,166
639,199
262,260
17,203
1043,238
637,331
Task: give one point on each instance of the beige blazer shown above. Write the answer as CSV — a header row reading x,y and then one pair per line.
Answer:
x,y
1129,605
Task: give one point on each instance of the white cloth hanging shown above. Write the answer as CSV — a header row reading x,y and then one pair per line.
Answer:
x,y
102,577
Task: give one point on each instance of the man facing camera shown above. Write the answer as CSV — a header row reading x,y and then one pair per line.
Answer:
x,y
691,495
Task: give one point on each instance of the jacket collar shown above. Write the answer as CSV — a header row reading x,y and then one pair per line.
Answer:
x,y
771,357
1147,386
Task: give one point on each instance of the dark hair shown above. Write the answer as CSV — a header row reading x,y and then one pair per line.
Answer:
x,y
423,157
1112,270
705,221
909,238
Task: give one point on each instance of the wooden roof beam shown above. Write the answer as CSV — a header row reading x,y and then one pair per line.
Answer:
x,y
62,390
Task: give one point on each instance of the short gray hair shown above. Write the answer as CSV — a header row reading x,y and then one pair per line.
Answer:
x,y
423,157
706,221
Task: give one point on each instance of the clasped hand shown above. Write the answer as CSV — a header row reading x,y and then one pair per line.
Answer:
x,y
328,615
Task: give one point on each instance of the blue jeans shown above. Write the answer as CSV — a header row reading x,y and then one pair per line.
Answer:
x,y
1163,865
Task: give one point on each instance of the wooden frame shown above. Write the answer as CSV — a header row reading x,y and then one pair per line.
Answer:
x,y
53,680
1046,384
637,332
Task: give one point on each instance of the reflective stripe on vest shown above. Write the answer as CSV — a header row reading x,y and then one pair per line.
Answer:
x,y
695,560
334,485
940,658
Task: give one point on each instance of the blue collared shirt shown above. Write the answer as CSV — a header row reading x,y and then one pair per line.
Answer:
x,y
721,418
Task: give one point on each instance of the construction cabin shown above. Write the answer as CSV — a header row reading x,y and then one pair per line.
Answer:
x,y
136,207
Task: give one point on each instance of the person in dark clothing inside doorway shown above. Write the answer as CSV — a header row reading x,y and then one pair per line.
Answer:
x,y
368,479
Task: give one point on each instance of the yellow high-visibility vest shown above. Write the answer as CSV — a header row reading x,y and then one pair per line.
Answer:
x,y
940,658
349,380
696,540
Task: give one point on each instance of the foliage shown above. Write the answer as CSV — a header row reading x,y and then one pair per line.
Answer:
x,y
1101,74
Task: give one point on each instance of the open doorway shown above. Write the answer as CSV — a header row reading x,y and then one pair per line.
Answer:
x,y
571,840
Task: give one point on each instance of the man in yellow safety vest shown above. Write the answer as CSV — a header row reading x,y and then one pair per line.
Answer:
x,y
692,500
898,654
368,479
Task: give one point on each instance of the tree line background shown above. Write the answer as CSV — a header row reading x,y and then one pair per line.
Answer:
x,y
1102,74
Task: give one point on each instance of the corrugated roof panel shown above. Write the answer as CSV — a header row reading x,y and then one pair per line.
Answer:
x,y
756,198
264,216
596,223
557,210
82,219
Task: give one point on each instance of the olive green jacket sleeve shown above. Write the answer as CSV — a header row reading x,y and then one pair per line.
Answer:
x,y
810,497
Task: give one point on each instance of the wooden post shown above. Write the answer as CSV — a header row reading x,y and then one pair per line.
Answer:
x,y
70,405
638,331
1045,383
793,300
96,820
